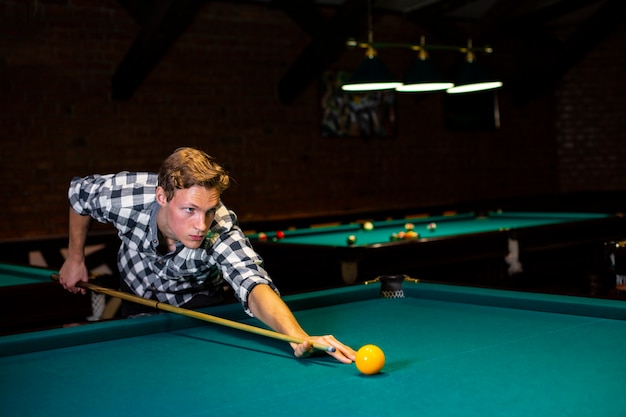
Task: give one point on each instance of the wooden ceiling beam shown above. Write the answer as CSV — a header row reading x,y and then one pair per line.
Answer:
x,y
604,21
540,16
139,10
490,24
162,23
327,45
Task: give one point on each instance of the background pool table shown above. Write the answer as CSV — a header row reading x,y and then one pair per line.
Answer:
x,y
467,247
451,351
29,299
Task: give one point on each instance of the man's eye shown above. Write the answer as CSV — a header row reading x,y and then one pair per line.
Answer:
x,y
189,210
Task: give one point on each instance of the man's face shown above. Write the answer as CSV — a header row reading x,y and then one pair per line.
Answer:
x,y
188,215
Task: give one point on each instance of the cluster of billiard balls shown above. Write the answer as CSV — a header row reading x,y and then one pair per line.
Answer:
x,y
410,233
406,234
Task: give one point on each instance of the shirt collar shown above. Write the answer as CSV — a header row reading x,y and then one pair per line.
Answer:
x,y
154,228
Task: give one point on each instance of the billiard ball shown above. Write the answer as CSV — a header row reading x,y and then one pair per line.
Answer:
x,y
351,240
432,227
409,226
411,234
368,226
370,359
262,236
280,234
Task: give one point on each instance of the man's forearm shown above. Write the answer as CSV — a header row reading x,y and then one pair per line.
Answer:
x,y
268,307
78,228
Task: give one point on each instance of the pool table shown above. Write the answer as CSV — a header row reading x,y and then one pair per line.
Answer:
x,y
450,351
461,243
29,299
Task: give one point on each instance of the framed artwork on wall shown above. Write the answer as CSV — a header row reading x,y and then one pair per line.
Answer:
x,y
472,111
369,114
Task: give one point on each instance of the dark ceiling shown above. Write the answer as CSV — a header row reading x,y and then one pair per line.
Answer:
x,y
570,28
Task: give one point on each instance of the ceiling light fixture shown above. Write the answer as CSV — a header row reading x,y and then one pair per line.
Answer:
x,y
372,74
423,76
472,77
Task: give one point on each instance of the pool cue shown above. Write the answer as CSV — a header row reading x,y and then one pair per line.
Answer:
x,y
196,314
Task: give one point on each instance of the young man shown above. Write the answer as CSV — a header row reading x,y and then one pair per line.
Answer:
x,y
179,243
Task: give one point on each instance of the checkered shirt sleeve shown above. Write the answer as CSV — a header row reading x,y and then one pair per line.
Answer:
x,y
121,199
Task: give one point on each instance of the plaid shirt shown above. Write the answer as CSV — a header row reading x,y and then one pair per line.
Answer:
x,y
127,200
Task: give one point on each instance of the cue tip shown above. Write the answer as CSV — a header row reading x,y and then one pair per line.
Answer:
x,y
321,347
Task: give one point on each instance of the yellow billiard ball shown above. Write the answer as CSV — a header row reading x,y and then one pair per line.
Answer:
x,y
370,359
411,234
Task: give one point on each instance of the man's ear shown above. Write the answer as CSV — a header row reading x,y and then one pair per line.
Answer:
x,y
160,196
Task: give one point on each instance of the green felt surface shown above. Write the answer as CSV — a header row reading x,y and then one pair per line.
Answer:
x,y
451,351
454,225
22,275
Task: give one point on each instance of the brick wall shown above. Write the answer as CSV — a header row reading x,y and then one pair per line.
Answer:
x,y
592,120
216,89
